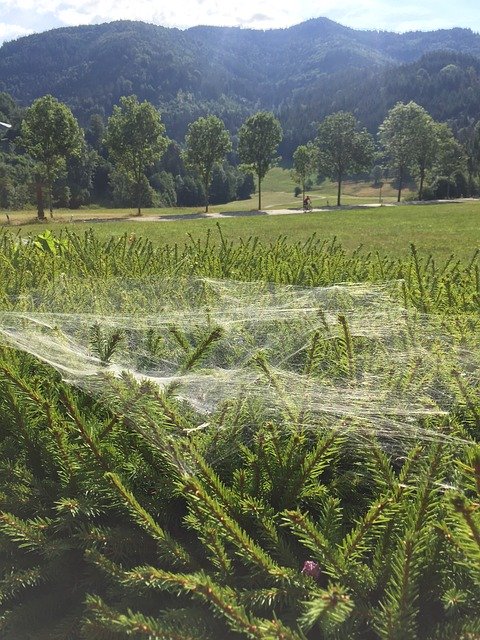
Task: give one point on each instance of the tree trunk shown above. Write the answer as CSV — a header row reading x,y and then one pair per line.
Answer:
x,y
259,193
420,189
40,209
49,186
139,200
207,180
400,184
138,178
339,190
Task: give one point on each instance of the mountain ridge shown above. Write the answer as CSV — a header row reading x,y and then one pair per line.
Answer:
x,y
318,44
301,72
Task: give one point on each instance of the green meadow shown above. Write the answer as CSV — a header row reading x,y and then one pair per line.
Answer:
x,y
442,229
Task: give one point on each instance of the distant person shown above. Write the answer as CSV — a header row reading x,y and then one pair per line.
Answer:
x,y
307,203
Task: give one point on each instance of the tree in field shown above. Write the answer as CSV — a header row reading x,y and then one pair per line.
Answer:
x,y
396,136
50,134
95,132
451,157
343,148
304,162
426,146
408,134
135,138
258,140
207,143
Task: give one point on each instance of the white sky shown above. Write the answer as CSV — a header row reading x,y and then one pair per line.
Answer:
x,y
20,17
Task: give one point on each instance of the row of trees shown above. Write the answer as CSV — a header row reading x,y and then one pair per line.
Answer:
x,y
135,139
411,144
133,154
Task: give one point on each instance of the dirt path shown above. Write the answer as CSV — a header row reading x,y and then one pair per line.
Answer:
x,y
285,212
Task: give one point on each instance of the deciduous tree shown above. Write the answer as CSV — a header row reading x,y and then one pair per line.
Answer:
x,y
304,159
377,174
80,170
258,140
135,138
343,148
469,137
451,157
408,134
50,134
207,143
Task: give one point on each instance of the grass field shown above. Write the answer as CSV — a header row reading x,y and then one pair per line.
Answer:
x,y
439,228
442,229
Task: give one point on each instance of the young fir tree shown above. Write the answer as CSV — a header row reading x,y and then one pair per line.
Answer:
x,y
120,518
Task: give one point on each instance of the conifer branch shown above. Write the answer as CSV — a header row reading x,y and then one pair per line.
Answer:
x,y
329,608
472,407
180,338
171,550
313,464
264,517
316,541
354,544
201,349
247,549
203,588
348,342
14,582
135,623
111,569
467,512
397,619
26,389
260,361
204,472
28,535
83,430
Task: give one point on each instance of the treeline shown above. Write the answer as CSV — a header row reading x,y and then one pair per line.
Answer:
x,y
88,171
130,161
410,147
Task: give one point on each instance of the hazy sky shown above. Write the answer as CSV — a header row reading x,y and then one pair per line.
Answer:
x,y
21,17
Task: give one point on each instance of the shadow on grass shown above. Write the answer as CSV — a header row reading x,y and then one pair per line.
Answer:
x,y
234,214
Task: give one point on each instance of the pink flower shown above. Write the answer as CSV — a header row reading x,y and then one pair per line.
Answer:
x,y
312,569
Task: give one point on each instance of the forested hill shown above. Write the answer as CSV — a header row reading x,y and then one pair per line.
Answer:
x,y
302,73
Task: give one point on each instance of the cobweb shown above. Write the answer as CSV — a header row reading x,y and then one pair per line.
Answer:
x,y
318,357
